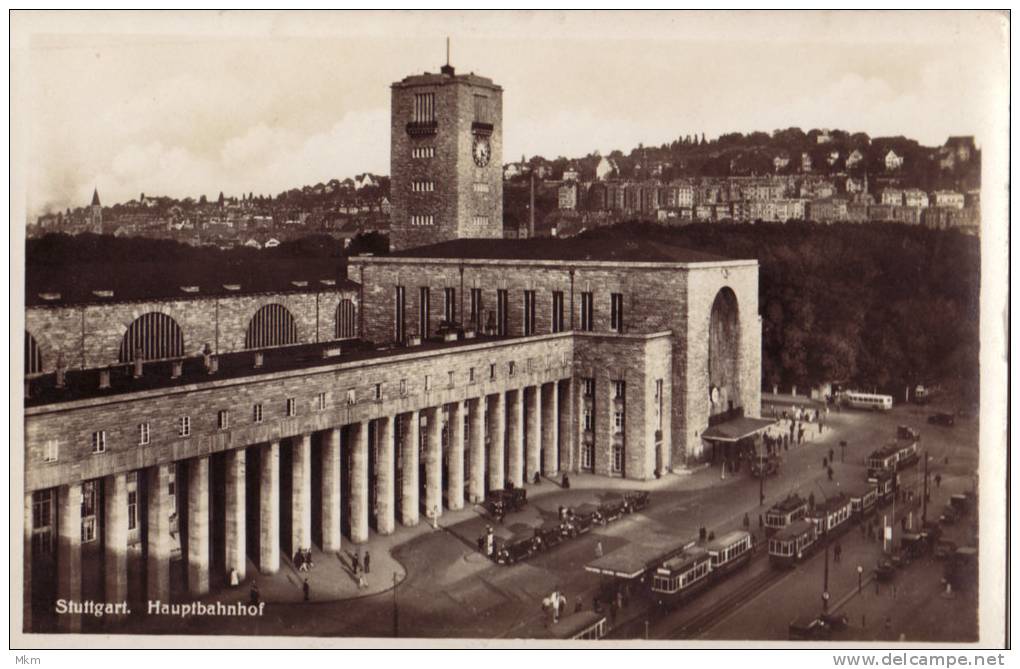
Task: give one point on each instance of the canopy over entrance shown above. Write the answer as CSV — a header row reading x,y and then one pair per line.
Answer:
x,y
737,429
634,559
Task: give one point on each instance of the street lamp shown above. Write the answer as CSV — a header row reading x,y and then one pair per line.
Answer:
x,y
860,578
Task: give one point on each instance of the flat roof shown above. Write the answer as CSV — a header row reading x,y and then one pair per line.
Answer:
x,y
726,540
736,429
575,249
635,558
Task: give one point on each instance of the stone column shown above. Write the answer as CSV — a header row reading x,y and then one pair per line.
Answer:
x,y
497,434
331,491
550,428
455,468
533,432
235,541
115,537
434,463
515,432
476,450
26,567
359,483
198,526
69,552
269,508
570,428
385,499
409,470
301,493
157,567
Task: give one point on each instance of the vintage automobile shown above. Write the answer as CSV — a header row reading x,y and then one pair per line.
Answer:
x,y
885,570
961,503
907,432
635,500
949,515
914,545
501,502
548,534
836,621
580,519
770,466
518,547
809,629
612,507
942,418
960,569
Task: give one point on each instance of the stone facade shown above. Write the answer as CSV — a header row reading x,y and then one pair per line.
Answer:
x,y
90,335
438,190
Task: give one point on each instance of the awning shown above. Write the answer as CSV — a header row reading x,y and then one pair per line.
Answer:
x,y
736,429
634,559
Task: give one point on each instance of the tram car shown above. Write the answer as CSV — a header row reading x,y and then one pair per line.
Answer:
x,y
907,455
580,519
793,543
768,466
907,432
581,626
681,577
518,547
612,507
885,483
783,513
636,500
729,553
831,516
863,499
885,459
548,534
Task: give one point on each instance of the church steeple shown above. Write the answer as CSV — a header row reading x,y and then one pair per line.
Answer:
x,y
95,197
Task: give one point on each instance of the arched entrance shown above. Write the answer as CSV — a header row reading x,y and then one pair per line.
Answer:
x,y
724,355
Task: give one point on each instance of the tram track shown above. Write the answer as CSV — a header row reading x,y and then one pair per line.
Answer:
x,y
706,619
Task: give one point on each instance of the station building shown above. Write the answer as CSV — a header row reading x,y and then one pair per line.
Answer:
x,y
177,436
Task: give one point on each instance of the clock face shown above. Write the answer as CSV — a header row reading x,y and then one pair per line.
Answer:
x,y
481,151
713,395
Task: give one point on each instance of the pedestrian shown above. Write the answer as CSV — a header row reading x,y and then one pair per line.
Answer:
x,y
578,604
761,522
306,588
368,563
747,521
821,425
235,580
786,443
362,581
825,463
598,549
356,561
830,473
938,480
830,455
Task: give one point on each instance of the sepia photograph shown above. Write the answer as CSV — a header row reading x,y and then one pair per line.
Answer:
x,y
510,329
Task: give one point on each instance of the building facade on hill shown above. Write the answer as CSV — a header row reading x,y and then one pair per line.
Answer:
x,y
180,438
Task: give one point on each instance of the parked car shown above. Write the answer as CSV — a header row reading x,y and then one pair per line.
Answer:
x,y
885,571
804,629
836,621
907,432
942,418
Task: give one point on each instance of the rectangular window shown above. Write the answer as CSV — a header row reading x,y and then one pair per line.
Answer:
x,y
449,380
587,312
658,403
257,413
450,305
511,368
143,434
99,441
352,397
428,383
617,312
529,313
184,426
492,372
423,186
88,511
51,450
403,387
223,419
617,459
398,315
482,109
423,152
502,312
132,500
618,420
476,307
471,375
419,220
320,401
42,522
424,107
588,457
423,312
481,221
378,392
588,387
588,421
557,311
291,407
619,389
481,188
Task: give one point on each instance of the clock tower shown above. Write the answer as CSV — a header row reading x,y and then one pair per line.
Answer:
x,y
446,159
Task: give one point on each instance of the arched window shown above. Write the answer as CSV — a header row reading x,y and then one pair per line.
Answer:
x,y
33,357
272,325
156,335
346,320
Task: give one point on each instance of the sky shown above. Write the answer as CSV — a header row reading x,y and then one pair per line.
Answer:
x,y
186,104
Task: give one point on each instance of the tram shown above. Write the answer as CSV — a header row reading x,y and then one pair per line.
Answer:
x,y
793,543
907,455
681,577
581,626
885,459
885,483
785,512
871,401
729,553
863,498
831,516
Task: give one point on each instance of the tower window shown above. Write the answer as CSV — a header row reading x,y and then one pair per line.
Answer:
x,y
184,426
398,323
257,413
143,434
616,321
481,188
482,109
419,220
424,107
51,451
450,304
423,152
321,401
502,313
423,186
223,419
291,407
529,313
99,441
476,306
424,309
557,311
481,221
587,312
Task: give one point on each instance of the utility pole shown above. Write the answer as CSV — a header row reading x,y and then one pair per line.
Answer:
x,y
825,586
924,500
